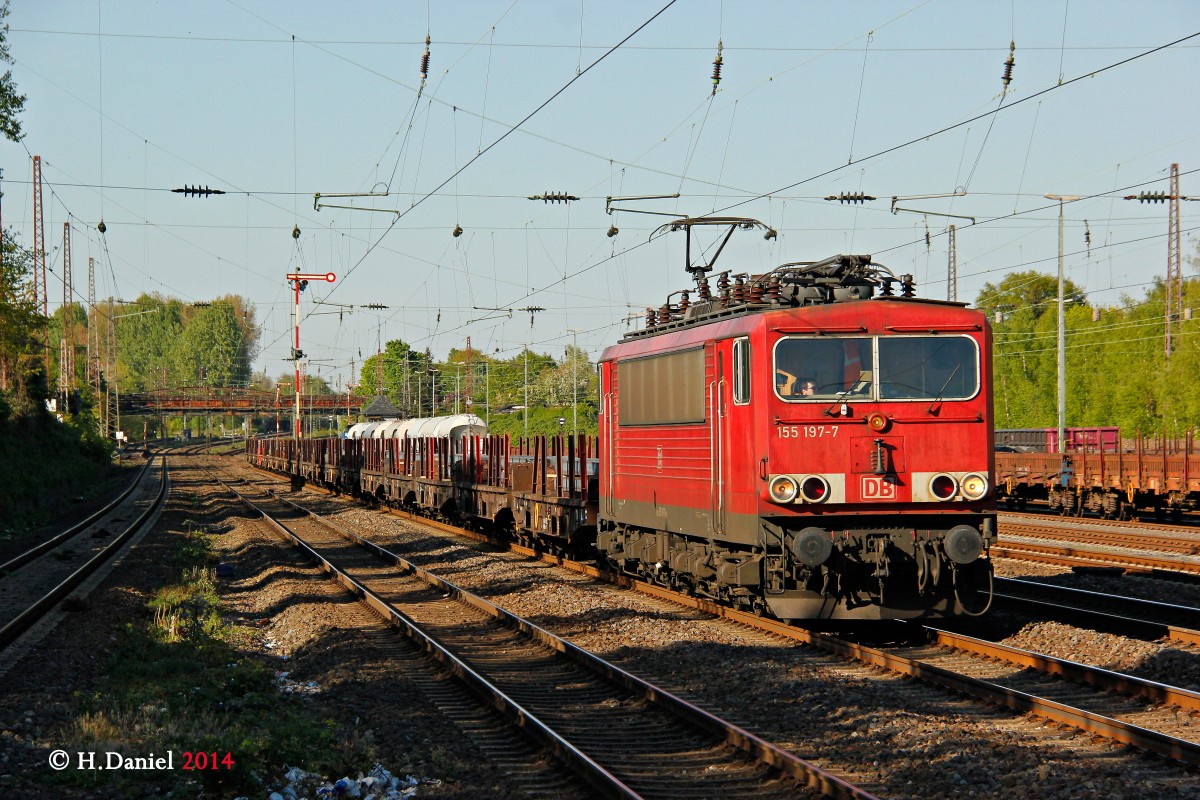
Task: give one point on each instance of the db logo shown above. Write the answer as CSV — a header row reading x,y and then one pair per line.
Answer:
x,y
876,488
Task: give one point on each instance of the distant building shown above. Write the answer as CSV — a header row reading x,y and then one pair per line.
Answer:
x,y
381,408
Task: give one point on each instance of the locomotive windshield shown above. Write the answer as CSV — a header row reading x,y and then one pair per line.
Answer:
x,y
824,368
883,368
927,367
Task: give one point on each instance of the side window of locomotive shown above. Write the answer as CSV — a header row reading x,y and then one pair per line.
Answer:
x,y
928,367
600,389
661,390
824,368
741,371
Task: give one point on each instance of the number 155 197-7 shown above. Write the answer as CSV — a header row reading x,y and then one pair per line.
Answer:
x,y
806,431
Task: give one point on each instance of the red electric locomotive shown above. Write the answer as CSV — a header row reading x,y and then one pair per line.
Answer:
x,y
813,442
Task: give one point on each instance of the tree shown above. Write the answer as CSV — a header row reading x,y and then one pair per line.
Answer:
x,y
309,384
1027,290
20,326
261,382
11,102
148,334
213,341
18,315
574,379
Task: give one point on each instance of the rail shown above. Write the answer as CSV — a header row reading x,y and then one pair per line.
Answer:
x,y
756,748
33,552
24,620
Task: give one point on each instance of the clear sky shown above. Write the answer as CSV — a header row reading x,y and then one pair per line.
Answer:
x,y
274,101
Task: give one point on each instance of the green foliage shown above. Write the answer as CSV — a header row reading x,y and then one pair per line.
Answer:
x,y
309,384
1029,292
43,463
421,387
159,342
22,358
11,102
545,420
1116,369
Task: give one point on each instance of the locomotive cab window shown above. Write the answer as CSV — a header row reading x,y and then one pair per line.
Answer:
x,y
741,371
928,368
824,368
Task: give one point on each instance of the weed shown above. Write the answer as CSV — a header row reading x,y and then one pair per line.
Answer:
x,y
178,681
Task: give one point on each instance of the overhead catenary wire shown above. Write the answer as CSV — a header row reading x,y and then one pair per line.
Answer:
x,y
425,196
862,79
531,45
568,268
965,122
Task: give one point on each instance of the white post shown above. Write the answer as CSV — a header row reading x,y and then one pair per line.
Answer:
x,y
574,381
1062,326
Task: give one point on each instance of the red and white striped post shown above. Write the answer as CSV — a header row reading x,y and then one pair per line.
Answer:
x,y
299,282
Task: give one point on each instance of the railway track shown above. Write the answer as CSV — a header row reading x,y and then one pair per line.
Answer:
x,y
1095,701
1073,556
1117,537
623,735
55,568
1141,548
1128,616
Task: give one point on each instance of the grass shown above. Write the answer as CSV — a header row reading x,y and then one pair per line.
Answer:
x,y
184,679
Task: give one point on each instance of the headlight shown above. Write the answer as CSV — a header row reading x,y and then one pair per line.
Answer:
x,y
974,486
943,486
878,422
783,488
814,489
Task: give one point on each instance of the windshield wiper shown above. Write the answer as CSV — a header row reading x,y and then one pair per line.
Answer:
x,y
840,401
938,398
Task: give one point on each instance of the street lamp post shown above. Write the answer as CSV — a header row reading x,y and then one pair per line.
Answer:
x,y
1062,325
300,281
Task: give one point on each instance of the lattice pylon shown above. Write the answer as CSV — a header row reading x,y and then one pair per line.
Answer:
x,y
1174,297
66,357
40,290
